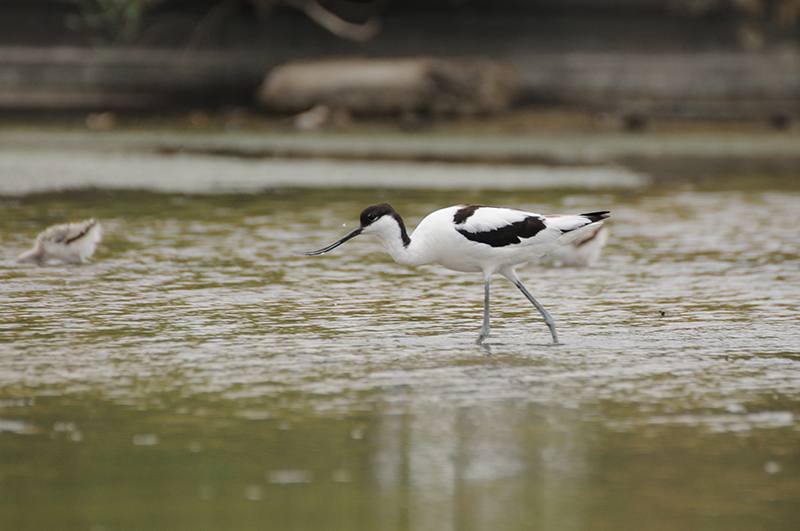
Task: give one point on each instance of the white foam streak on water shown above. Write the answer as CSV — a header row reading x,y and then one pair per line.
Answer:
x,y
25,172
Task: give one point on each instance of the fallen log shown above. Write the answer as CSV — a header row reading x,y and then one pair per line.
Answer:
x,y
390,86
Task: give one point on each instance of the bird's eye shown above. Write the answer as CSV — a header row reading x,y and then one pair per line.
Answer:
x,y
373,217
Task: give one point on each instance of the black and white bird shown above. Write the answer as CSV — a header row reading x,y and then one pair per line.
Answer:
x,y
70,243
475,238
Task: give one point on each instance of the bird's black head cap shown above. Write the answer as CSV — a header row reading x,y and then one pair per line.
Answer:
x,y
373,213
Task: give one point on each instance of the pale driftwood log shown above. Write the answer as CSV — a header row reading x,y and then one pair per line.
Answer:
x,y
385,86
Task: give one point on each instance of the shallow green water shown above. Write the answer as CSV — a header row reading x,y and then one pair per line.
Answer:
x,y
199,375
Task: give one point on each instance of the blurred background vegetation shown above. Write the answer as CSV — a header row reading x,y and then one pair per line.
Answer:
x,y
627,61
125,21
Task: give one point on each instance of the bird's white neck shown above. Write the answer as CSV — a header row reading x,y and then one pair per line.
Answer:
x,y
400,247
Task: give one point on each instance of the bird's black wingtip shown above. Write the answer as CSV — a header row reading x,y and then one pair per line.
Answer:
x,y
597,216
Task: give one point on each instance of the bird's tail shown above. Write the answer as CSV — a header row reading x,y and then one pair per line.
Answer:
x,y
594,217
33,256
574,227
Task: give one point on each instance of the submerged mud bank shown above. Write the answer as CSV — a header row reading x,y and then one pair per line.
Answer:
x,y
37,160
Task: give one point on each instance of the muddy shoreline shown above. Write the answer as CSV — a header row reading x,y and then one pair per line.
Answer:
x,y
667,153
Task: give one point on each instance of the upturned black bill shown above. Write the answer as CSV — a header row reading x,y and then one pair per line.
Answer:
x,y
334,245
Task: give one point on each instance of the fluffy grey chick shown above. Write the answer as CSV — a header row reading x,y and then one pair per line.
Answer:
x,y
70,243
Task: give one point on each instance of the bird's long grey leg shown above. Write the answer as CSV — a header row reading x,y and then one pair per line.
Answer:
x,y
485,328
548,319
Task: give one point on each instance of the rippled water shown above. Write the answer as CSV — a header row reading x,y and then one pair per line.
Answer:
x,y
200,374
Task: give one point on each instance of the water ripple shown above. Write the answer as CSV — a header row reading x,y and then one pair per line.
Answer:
x,y
694,304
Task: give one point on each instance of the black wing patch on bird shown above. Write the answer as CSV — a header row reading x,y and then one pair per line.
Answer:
x,y
464,213
83,232
507,235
